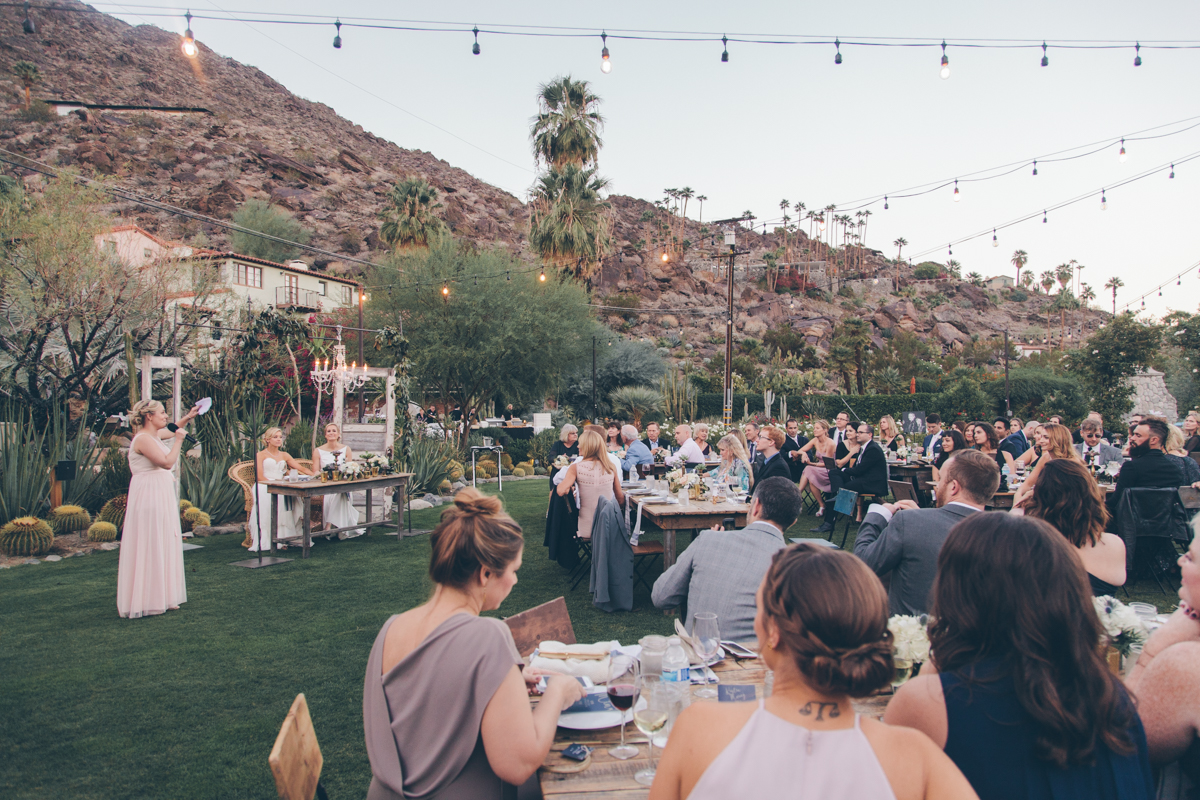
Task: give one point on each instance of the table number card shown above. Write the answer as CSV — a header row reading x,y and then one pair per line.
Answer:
x,y
736,693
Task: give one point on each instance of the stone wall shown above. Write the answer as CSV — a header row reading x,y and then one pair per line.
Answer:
x,y
1150,396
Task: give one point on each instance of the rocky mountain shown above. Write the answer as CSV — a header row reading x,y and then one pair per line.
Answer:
x,y
208,134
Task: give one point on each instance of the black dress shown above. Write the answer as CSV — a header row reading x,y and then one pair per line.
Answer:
x,y
1101,588
557,449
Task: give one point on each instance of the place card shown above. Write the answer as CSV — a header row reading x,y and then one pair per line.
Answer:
x,y
591,703
736,693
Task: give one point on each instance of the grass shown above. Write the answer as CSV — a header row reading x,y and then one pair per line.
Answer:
x,y
187,704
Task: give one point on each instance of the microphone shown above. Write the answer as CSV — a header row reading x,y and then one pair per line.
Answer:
x,y
172,427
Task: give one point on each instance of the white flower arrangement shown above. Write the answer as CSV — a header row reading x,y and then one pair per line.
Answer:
x,y
562,462
1122,626
375,460
352,469
902,452
909,637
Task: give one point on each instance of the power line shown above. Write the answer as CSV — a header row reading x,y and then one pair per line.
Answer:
x,y
1178,278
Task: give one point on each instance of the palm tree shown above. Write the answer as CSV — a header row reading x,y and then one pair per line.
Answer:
x,y
900,244
1064,302
569,221
29,75
1019,259
1027,281
1065,273
866,217
567,127
1114,283
1086,294
636,402
1047,281
408,215
686,193
841,358
975,278
954,268
700,199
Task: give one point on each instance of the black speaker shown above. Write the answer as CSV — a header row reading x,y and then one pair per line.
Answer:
x,y
65,470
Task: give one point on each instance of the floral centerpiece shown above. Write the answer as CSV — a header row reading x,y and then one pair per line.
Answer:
x,y
909,637
376,463
349,470
660,456
902,453
1122,628
562,462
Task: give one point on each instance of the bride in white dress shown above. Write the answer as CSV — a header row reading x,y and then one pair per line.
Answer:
x,y
273,465
339,511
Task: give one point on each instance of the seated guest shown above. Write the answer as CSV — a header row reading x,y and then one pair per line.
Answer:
x,y
843,434
1022,699
1176,453
868,475
903,539
933,438
636,453
720,571
456,414
1056,419
567,445
700,434
1166,675
652,440
689,453
986,442
1016,443
773,463
890,436
741,437
1191,430
735,464
596,477
1000,424
602,432
1033,454
612,437
816,474
751,434
1057,446
473,733
793,447
951,442
1092,449
822,630
1068,497
1148,465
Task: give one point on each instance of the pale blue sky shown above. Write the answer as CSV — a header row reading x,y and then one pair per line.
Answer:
x,y
785,122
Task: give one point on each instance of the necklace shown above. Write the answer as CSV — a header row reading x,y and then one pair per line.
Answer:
x,y
1188,611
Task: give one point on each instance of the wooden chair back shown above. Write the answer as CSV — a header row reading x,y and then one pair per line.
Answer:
x,y
548,622
242,473
1189,497
296,757
903,490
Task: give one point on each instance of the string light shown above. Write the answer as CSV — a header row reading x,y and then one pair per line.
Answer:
x,y
475,47
337,39
27,25
1045,58
189,41
837,59
1172,175
945,73
1137,59
885,205
1103,201
605,61
1121,156
445,289
1044,216
542,277
957,197
1035,167
995,241
666,258
508,275
950,247
725,52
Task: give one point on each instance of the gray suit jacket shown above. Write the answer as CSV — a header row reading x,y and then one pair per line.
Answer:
x,y
1107,453
720,572
907,547
611,581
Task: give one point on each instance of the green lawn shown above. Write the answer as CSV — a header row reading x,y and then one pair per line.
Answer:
x,y
187,705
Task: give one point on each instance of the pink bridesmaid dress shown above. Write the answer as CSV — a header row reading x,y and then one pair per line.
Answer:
x,y
150,573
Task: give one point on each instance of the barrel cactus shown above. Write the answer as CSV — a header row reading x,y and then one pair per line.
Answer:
x,y
68,519
26,536
507,461
455,469
192,518
184,505
114,512
518,472
445,487
102,532
539,470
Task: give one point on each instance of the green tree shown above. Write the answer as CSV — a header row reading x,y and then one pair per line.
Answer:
x,y
1114,283
1086,295
1111,356
1047,281
855,335
486,338
975,278
1064,302
570,224
28,74
1064,274
260,216
620,362
636,402
567,127
1019,259
408,216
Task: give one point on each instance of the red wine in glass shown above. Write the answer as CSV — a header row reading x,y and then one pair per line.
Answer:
x,y
622,696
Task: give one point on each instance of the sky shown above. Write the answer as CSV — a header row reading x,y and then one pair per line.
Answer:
x,y
786,122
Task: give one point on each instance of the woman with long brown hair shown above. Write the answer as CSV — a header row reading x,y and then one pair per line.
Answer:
x,y
1023,700
1056,443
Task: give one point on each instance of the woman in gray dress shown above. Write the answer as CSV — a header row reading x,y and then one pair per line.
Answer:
x,y
445,703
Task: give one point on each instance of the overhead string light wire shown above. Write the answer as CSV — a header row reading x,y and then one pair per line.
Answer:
x,y
1177,278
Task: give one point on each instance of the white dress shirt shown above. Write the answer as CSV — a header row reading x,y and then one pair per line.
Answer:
x,y
689,452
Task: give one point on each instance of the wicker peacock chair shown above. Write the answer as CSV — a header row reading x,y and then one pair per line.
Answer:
x,y
242,473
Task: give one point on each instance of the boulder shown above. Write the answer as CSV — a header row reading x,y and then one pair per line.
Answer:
x,y
903,315
948,334
417,505
977,296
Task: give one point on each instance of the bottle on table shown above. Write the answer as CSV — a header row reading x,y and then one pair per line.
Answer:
x,y
677,682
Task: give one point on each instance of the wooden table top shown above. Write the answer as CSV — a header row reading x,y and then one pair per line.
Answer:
x,y
694,508
607,778
316,486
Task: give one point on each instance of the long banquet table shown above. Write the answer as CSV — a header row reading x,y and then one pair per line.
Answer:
x,y
697,515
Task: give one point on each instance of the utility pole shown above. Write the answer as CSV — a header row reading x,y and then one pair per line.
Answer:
x,y
362,359
731,244
1007,403
595,408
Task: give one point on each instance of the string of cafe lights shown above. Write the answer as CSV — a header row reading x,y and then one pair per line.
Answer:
x,y
1177,278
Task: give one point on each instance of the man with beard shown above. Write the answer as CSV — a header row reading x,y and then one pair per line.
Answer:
x,y
1148,466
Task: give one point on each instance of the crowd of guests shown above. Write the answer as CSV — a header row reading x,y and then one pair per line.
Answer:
x,y
1016,700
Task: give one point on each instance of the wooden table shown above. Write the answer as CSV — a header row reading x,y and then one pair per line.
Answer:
x,y
307,490
696,515
608,778
901,471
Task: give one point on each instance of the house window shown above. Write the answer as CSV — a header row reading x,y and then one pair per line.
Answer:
x,y
249,276
323,288
347,295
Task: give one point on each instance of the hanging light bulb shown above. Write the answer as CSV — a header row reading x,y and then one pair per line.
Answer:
x,y
189,41
507,275
1044,216
1035,167
337,40
475,47
885,205
995,241
542,277
725,52
821,225
476,280
1103,201
1121,156
1137,48
1172,175
605,61
665,257
945,73
950,247
957,197
837,59
1045,58
28,25
445,289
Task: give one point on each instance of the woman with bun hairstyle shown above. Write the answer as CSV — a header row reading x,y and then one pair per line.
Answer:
x,y
822,627
445,695
150,569
1022,699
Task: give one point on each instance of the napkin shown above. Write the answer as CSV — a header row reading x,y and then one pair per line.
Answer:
x,y
595,669
688,642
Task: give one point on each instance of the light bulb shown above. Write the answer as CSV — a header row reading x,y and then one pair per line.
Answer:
x,y
189,44
837,59
1172,175
445,289
995,241
605,61
664,257
1045,59
957,196
945,62
475,47
885,205
1137,59
1035,168
337,39
821,226
1121,156
542,277
1103,202
725,52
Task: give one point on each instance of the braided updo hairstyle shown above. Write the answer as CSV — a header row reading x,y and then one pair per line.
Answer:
x,y
142,409
832,615
475,532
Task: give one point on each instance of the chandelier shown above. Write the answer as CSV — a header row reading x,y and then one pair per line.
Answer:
x,y
348,377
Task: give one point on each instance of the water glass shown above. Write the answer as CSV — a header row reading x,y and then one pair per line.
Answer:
x,y
654,647
904,669
652,719
707,638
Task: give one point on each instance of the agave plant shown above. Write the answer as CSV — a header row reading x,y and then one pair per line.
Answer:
x,y
24,471
429,459
636,402
206,483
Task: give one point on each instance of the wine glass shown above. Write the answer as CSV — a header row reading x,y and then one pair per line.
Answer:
x,y
904,667
622,690
651,719
707,638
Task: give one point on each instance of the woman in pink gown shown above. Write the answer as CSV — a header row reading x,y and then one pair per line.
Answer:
x,y
150,571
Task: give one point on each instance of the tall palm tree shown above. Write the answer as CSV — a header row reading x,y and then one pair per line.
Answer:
x,y
567,127
408,215
1019,259
700,199
1086,294
1047,281
687,193
1027,281
1065,273
975,278
569,220
1114,283
1064,302
900,243
866,217
954,268
29,75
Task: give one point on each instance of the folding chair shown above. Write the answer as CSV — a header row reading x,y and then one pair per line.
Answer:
x,y
1151,514
845,504
296,757
548,622
1190,498
903,490
584,567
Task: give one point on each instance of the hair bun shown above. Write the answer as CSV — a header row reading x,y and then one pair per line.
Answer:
x,y
472,501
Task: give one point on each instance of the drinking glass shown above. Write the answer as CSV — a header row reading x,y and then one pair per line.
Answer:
x,y
707,636
622,687
904,668
651,719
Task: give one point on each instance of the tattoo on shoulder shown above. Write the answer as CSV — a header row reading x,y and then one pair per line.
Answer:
x,y
807,709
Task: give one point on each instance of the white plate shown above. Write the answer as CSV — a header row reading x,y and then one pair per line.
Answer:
x,y
203,405
661,501
597,720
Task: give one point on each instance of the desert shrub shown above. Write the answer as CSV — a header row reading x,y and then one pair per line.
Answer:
x,y
26,536
68,519
101,531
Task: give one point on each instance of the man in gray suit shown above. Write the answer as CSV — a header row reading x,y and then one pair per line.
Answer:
x,y
904,540
1093,448
721,570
